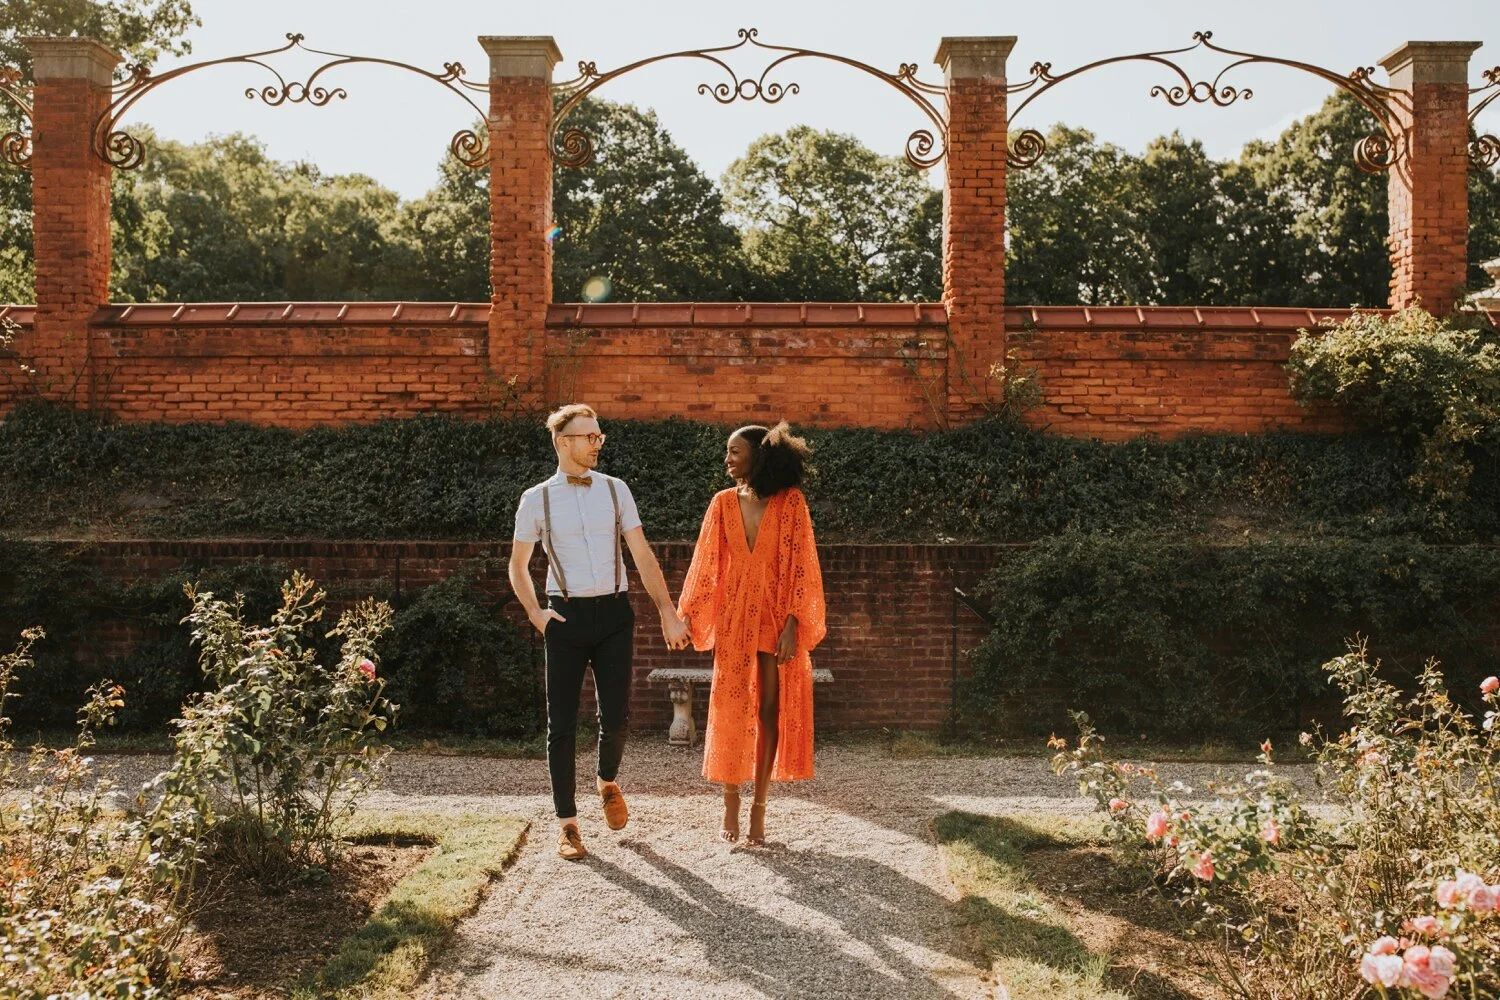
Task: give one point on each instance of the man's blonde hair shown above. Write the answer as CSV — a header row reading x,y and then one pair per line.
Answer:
x,y
559,418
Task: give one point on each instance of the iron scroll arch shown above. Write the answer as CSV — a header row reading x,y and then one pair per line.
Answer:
x,y
15,146
1375,153
123,150
1484,150
924,148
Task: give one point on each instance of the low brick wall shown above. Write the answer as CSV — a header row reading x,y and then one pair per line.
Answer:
x,y
1108,372
895,635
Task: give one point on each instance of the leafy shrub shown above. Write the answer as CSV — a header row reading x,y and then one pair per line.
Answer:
x,y
91,901
281,747
82,607
1413,375
1200,637
451,477
456,665
1400,890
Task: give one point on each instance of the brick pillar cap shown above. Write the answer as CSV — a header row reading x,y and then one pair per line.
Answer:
x,y
72,59
1429,62
974,55
521,55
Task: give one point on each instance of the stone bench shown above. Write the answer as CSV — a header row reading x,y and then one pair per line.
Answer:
x,y
680,681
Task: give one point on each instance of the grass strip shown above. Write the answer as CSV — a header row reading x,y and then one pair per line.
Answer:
x,y
1030,943
388,955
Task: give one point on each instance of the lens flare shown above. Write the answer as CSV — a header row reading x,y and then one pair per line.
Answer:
x,y
597,289
553,234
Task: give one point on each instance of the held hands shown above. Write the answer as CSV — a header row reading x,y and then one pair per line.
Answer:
x,y
674,630
542,616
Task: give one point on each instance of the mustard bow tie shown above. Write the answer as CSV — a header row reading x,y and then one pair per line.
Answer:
x,y
580,480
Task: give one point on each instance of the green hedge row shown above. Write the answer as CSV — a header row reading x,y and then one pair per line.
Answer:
x,y
451,661
1191,638
442,477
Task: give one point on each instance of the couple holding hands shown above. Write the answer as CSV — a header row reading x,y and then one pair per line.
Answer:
x,y
753,594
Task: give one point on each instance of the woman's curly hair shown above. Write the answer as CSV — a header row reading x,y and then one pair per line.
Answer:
x,y
778,458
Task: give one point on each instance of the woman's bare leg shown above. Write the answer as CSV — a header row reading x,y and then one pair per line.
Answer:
x,y
765,746
729,831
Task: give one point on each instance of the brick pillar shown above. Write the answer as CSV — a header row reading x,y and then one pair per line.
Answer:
x,y
70,204
1429,186
974,218
520,207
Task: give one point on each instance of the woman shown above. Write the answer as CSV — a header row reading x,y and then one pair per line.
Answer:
x,y
754,595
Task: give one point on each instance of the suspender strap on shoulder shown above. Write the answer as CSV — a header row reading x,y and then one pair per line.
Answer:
x,y
614,498
557,569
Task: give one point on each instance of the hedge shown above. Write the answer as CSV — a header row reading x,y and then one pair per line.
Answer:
x,y
1199,638
69,475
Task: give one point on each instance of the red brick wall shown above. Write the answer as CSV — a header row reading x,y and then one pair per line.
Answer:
x,y
891,641
1106,372
1115,373
1428,187
520,215
70,190
813,364
974,238
298,373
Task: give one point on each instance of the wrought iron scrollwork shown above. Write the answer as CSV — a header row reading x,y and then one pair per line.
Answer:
x,y
125,151
15,146
1484,150
924,147
1374,153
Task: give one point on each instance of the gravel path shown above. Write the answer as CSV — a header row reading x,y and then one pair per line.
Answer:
x,y
848,899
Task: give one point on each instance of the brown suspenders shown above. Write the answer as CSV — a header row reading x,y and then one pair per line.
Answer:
x,y
562,580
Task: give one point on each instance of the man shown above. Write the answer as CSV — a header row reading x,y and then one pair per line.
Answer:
x,y
580,516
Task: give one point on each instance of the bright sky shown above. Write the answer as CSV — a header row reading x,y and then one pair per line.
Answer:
x,y
395,126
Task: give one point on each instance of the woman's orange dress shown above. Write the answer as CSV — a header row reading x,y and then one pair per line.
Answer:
x,y
737,601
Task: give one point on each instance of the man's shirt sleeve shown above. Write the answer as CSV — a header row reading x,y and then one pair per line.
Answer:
x,y
529,517
630,518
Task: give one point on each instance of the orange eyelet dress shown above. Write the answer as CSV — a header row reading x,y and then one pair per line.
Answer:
x,y
737,600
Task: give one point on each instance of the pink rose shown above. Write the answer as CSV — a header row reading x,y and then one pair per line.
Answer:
x,y
1185,817
1441,960
1383,969
1467,884
1420,972
1489,685
1270,831
1118,805
1446,893
1484,899
1157,824
368,669
1425,924
1384,946
1265,747
1204,869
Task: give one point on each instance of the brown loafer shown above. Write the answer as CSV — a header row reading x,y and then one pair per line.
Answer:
x,y
570,845
615,813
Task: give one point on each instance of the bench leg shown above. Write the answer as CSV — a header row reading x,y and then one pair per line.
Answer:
x,y
683,732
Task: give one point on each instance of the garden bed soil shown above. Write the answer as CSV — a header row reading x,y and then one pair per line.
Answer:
x,y
1114,911
249,944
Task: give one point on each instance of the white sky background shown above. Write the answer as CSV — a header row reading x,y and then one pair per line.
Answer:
x,y
395,126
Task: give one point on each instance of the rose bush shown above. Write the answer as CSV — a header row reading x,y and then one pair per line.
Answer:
x,y
1394,882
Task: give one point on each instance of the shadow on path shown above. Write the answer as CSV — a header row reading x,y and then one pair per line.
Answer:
x,y
778,958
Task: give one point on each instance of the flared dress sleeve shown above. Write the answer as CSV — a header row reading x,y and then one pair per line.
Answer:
x,y
799,578
701,599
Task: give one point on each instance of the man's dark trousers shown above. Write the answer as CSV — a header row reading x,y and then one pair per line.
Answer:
x,y
598,631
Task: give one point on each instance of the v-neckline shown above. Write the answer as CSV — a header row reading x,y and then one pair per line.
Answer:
x,y
739,513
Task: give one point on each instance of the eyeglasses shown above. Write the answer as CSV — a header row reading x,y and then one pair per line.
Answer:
x,y
597,440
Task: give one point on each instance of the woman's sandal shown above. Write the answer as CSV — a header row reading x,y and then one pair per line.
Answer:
x,y
757,811
727,835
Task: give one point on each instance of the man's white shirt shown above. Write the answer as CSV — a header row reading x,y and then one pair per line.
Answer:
x,y
583,531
